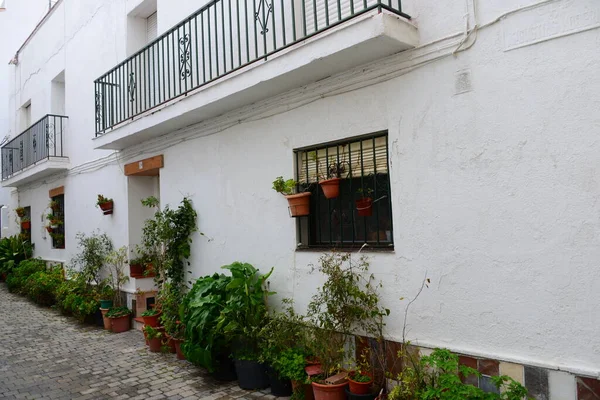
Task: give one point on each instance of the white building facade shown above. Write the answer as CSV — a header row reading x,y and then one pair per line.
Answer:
x,y
472,125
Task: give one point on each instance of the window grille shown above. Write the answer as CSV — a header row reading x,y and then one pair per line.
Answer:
x,y
362,212
58,234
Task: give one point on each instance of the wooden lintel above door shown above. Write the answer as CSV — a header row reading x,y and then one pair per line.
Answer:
x,y
146,167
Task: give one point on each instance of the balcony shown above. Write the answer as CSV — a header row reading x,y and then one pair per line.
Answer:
x,y
231,53
35,153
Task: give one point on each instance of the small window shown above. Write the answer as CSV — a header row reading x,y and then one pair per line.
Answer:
x,y
151,28
57,223
361,212
26,224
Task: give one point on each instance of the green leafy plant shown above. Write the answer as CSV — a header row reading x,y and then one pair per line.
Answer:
x,y
75,297
437,377
42,285
118,312
290,364
153,333
94,250
166,245
25,219
285,187
17,279
13,250
245,310
199,313
102,200
345,305
115,263
54,205
149,313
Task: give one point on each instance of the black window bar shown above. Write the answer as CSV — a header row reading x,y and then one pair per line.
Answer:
x,y
58,232
362,212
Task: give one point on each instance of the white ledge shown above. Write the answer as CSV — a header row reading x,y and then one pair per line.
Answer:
x,y
358,41
41,169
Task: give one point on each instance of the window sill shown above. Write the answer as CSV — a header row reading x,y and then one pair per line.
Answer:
x,y
365,249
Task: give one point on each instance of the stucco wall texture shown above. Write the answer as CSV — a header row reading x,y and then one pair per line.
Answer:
x,y
494,176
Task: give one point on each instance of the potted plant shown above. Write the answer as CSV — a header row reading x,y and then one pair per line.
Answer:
x,y
20,211
49,229
119,317
105,204
344,305
54,205
364,205
299,203
204,344
106,302
151,317
361,379
335,169
137,267
59,240
26,223
283,350
241,320
155,338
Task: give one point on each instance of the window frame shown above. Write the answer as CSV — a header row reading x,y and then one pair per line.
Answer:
x,y
378,225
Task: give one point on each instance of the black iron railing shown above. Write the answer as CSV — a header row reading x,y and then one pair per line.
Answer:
x,y
220,38
42,140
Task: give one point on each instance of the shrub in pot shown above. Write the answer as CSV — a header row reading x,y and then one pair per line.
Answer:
x,y
299,203
204,344
151,317
283,350
347,303
105,204
155,338
119,317
241,320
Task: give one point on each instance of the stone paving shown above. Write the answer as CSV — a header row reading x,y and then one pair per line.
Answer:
x,y
46,355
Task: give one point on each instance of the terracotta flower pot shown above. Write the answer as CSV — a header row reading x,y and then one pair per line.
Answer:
x,y
178,342
26,225
136,270
329,392
359,387
145,335
364,207
303,388
155,344
171,344
120,324
152,320
331,187
107,207
107,321
299,204
49,229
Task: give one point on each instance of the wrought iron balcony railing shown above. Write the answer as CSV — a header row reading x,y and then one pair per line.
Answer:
x,y
221,37
40,141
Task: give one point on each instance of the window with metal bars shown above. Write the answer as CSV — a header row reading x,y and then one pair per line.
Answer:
x,y
58,223
350,202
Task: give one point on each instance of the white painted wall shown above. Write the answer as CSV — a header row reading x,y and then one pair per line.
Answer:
x,y
16,23
495,189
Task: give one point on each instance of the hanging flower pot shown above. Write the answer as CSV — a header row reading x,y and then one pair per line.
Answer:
x,y
364,207
299,204
20,212
49,229
331,187
105,204
26,225
107,208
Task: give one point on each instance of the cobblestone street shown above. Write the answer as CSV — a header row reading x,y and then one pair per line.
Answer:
x,y
46,355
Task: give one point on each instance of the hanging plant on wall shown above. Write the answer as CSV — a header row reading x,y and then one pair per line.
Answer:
x,y
299,203
105,204
166,244
20,211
